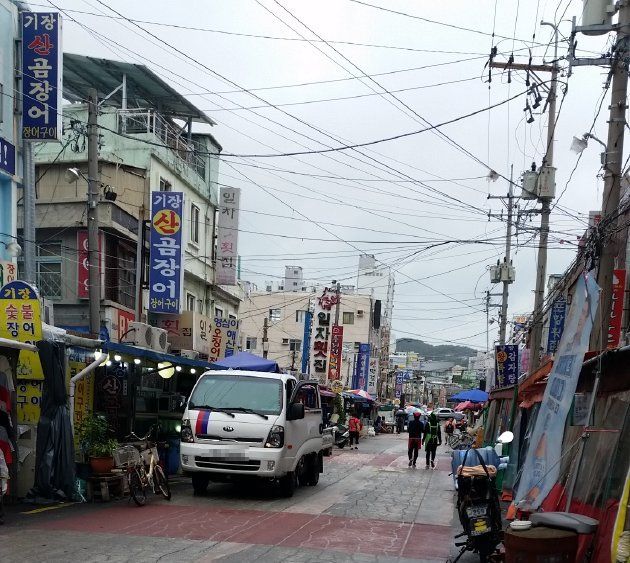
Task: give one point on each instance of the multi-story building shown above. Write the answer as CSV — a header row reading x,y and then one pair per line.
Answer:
x,y
147,143
10,171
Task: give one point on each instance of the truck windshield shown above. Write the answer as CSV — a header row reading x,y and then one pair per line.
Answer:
x,y
259,394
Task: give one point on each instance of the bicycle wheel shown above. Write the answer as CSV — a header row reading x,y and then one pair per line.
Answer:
x,y
137,488
161,482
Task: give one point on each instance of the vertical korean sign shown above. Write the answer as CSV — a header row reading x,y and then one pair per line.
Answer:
x,y
336,347
166,274
506,364
556,324
321,334
41,76
372,376
541,467
227,236
361,372
306,343
616,311
20,319
399,384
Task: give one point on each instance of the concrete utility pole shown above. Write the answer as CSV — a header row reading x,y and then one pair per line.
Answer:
x,y
92,215
612,178
508,249
541,267
265,340
30,250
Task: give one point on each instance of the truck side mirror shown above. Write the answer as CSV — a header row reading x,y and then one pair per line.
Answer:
x,y
296,411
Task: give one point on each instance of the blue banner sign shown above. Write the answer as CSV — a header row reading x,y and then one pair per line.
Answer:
x,y
7,157
506,364
556,324
306,341
399,385
166,274
362,368
41,76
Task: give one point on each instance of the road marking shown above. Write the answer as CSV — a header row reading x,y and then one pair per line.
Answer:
x,y
46,508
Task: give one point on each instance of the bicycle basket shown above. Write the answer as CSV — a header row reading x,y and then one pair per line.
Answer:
x,y
126,456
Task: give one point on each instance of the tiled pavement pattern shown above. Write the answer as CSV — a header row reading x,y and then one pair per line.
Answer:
x,y
369,506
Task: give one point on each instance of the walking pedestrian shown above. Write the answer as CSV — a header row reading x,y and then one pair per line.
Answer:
x,y
416,429
432,439
400,420
354,426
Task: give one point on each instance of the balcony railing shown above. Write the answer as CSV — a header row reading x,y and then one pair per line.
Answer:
x,y
148,121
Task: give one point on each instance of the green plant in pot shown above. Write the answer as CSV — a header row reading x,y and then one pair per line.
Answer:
x,y
96,444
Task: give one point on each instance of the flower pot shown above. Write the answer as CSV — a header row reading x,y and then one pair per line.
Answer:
x,y
102,464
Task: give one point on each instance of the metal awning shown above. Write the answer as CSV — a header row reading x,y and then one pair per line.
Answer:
x,y
144,88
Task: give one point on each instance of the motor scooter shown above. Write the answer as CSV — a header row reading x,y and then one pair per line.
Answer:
x,y
478,504
341,435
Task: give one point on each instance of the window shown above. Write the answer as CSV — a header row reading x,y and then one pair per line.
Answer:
x,y
295,344
194,224
165,185
49,271
348,318
300,316
218,313
120,272
190,302
275,315
250,343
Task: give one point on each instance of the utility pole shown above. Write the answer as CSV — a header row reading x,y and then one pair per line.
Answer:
x,y
30,250
265,340
612,178
92,215
541,266
508,248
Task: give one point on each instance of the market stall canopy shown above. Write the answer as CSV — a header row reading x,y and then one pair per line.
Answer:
x,y
467,405
361,393
356,397
472,395
246,361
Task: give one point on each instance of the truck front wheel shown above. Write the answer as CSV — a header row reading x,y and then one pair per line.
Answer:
x,y
312,470
200,483
288,484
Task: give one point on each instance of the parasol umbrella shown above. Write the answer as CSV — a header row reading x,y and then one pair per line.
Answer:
x,y
465,405
473,395
362,393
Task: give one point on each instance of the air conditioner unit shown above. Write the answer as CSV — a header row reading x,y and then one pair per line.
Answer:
x,y
139,334
160,339
285,341
359,312
190,354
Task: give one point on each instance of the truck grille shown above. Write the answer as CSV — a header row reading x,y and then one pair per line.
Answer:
x,y
225,439
230,464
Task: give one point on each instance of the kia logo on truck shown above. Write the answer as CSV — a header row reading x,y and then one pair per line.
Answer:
x,y
228,429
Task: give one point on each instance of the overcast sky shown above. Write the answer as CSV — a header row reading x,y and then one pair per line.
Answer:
x,y
395,198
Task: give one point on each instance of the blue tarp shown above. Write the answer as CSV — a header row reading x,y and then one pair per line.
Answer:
x,y
246,361
473,395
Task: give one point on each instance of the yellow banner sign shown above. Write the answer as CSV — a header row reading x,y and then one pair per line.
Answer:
x,y
29,398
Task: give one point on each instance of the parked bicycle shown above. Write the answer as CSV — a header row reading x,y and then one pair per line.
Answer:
x,y
141,463
460,441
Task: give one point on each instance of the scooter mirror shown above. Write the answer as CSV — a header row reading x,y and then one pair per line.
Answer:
x,y
506,437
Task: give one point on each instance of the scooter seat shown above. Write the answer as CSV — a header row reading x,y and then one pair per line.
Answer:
x,y
565,521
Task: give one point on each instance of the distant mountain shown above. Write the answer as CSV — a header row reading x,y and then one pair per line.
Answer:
x,y
443,352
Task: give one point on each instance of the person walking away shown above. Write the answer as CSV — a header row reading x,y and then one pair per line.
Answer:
x,y
400,420
416,429
354,426
432,439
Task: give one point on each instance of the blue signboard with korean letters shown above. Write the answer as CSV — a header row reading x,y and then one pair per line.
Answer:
x,y
506,364
556,324
41,76
362,368
7,157
166,273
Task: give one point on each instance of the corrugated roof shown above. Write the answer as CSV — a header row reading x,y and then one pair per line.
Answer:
x,y
144,88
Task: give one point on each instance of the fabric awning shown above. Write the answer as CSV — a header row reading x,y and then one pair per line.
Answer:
x,y
152,355
246,361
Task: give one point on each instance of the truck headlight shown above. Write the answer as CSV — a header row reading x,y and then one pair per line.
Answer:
x,y
275,438
186,432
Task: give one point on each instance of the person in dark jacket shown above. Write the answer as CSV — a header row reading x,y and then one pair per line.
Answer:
x,y
415,429
400,420
432,439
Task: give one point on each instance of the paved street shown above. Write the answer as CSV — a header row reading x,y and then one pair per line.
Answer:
x,y
368,506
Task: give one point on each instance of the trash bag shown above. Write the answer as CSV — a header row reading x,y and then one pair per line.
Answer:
x,y
54,457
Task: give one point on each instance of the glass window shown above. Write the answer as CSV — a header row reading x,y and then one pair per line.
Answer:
x,y
250,343
299,316
261,394
348,318
275,315
165,185
194,223
218,313
49,270
295,344
190,302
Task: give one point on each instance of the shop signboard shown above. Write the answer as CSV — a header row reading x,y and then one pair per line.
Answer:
x,y
320,337
41,76
336,348
541,467
372,376
227,236
506,364
8,272
306,341
399,385
28,399
616,310
7,157
362,368
83,265
556,324
188,331
20,319
223,338
166,272
83,395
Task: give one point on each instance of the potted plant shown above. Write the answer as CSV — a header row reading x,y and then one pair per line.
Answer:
x,y
95,443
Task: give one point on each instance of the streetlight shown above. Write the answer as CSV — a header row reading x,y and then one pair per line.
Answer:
x,y
578,145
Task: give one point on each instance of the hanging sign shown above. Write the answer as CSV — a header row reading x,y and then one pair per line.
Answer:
x,y
399,385
321,334
506,364
21,320
41,76
372,376
8,272
223,339
166,274
227,236
361,371
616,309
556,324
306,342
336,348
7,157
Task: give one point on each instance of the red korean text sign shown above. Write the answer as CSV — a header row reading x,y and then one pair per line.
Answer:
x,y
336,347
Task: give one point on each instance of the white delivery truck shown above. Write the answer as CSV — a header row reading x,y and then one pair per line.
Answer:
x,y
241,424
